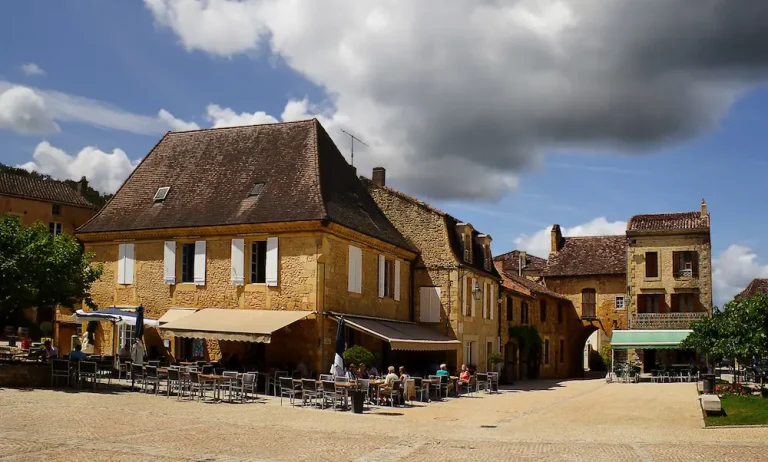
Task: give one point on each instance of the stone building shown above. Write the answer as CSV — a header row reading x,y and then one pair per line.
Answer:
x,y
269,225
756,286
456,286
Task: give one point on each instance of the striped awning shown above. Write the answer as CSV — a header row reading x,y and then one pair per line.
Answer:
x,y
648,339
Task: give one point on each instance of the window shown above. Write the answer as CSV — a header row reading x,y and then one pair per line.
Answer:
x,y
470,353
651,264
466,242
588,303
162,193
543,311
524,313
619,303
389,278
126,335
649,303
682,303
429,304
559,313
562,351
510,309
685,263
188,262
256,190
56,210
55,228
546,351
487,255
258,262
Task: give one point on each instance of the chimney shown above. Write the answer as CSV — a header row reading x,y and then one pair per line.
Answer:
x,y
556,239
82,186
379,176
704,211
521,262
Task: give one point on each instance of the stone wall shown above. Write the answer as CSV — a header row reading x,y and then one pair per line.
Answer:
x,y
30,211
607,288
25,375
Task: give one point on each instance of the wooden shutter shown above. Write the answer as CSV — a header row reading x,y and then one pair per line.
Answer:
x,y
129,249
397,280
200,263
434,304
651,264
271,271
237,262
494,304
355,269
467,296
121,264
473,281
169,263
675,263
675,303
485,300
424,312
695,265
382,275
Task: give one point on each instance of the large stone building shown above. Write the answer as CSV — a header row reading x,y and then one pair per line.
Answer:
x,y
253,241
456,286
756,286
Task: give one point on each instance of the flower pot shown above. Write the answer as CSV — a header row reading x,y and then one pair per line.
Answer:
x,y
358,399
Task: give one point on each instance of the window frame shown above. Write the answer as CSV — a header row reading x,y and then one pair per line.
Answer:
x,y
616,303
389,278
510,309
255,265
187,274
655,267
593,304
545,345
56,210
524,313
55,228
126,330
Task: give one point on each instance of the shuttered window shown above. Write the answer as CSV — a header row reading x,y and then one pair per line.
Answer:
x,y
546,351
524,313
429,304
588,303
273,261
188,262
651,264
258,262
169,263
685,263
354,281
510,309
125,262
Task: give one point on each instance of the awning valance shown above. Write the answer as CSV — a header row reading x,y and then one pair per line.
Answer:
x,y
176,313
233,324
402,335
648,339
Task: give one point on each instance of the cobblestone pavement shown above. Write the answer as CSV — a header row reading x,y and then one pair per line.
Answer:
x,y
573,420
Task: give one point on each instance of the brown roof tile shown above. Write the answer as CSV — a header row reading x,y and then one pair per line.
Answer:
x,y
40,189
523,285
668,222
757,286
211,172
511,262
592,255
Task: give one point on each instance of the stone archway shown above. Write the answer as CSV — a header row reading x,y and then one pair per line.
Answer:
x,y
576,358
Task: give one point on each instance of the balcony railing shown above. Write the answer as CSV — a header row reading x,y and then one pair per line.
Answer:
x,y
664,320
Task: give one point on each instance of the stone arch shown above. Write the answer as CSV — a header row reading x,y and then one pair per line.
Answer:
x,y
576,359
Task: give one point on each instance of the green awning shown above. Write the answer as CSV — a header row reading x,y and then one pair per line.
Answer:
x,y
648,339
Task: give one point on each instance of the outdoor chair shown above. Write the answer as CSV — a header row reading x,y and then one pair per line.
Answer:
x,y
137,374
288,390
419,389
249,384
309,392
234,388
330,393
435,385
341,379
296,375
87,371
59,369
196,386
444,383
174,381
200,364
396,392
123,367
482,381
365,385
207,369
276,380
493,382
153,363
324,377
151,377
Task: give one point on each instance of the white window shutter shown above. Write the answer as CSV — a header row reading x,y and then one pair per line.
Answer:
x,y
200,263
473,281
434,304
464,298
129,252
397,280
424,297
494,303
238,262
169,271
351,270
121,264
485,300
272,262
358,270
382,270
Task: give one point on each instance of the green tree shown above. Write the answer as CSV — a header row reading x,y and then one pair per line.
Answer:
x,y
39,270
358,355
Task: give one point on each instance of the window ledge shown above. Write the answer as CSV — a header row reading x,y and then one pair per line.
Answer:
x,y
187,286
256,287
355,294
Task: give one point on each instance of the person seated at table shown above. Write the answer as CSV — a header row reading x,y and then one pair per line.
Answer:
x,y
351,372
124,352
443,371
50,351
78,354
362,371
463,377
386,389
403,374
373,372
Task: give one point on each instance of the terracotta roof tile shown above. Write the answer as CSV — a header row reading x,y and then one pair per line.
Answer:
x,y
592,255
523,285
668,222
755,287
211,173
40,189
511,262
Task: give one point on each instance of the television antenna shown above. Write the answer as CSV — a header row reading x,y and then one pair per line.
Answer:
x,y
352,139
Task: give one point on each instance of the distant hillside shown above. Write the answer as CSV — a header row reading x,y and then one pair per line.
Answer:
x,y
94,197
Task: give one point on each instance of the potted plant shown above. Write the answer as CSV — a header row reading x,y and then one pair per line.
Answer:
x,y
357,355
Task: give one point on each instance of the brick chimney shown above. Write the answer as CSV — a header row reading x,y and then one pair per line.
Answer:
x,y
704,211
521,262
556,239
379,176
82,186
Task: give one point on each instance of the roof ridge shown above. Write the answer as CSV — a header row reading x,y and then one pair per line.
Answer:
x,y
408,197
696,212
241,126
316,152
597,235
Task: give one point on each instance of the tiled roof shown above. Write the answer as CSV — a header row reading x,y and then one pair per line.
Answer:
x,y
511,262
523,285
593,255
668,222
40,189
211,173
755,287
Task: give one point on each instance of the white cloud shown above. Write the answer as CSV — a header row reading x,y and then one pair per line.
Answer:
x,y
32,69
24,111
105,171
732,271
226,117
174,123
491,86
539,243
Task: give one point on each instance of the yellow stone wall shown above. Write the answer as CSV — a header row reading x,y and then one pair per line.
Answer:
x,y
607,288
665,245
30,211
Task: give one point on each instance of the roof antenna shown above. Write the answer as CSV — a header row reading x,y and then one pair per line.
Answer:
x,y
352,139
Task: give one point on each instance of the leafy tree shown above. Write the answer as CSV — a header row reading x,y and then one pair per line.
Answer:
x,y
358,355
39,270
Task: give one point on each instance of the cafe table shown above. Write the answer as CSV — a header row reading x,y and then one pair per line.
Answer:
x,y
217,381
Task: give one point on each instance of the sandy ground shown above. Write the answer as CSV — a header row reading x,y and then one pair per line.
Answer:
x,y
542,420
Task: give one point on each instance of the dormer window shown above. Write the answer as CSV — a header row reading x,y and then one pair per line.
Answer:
x,y
485,243
487,255
162,193
464,231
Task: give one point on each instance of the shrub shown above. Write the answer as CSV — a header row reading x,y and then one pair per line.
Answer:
x,y
358,355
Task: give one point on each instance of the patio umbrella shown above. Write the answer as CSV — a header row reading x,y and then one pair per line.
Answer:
x,y
338,360
140,322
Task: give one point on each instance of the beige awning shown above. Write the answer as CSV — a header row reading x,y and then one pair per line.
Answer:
x,y
176,313
402,335
233,324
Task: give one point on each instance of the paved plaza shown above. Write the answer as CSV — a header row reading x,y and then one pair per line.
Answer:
x,y
546,420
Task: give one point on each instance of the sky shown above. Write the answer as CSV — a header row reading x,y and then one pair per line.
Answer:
x,y
509,115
